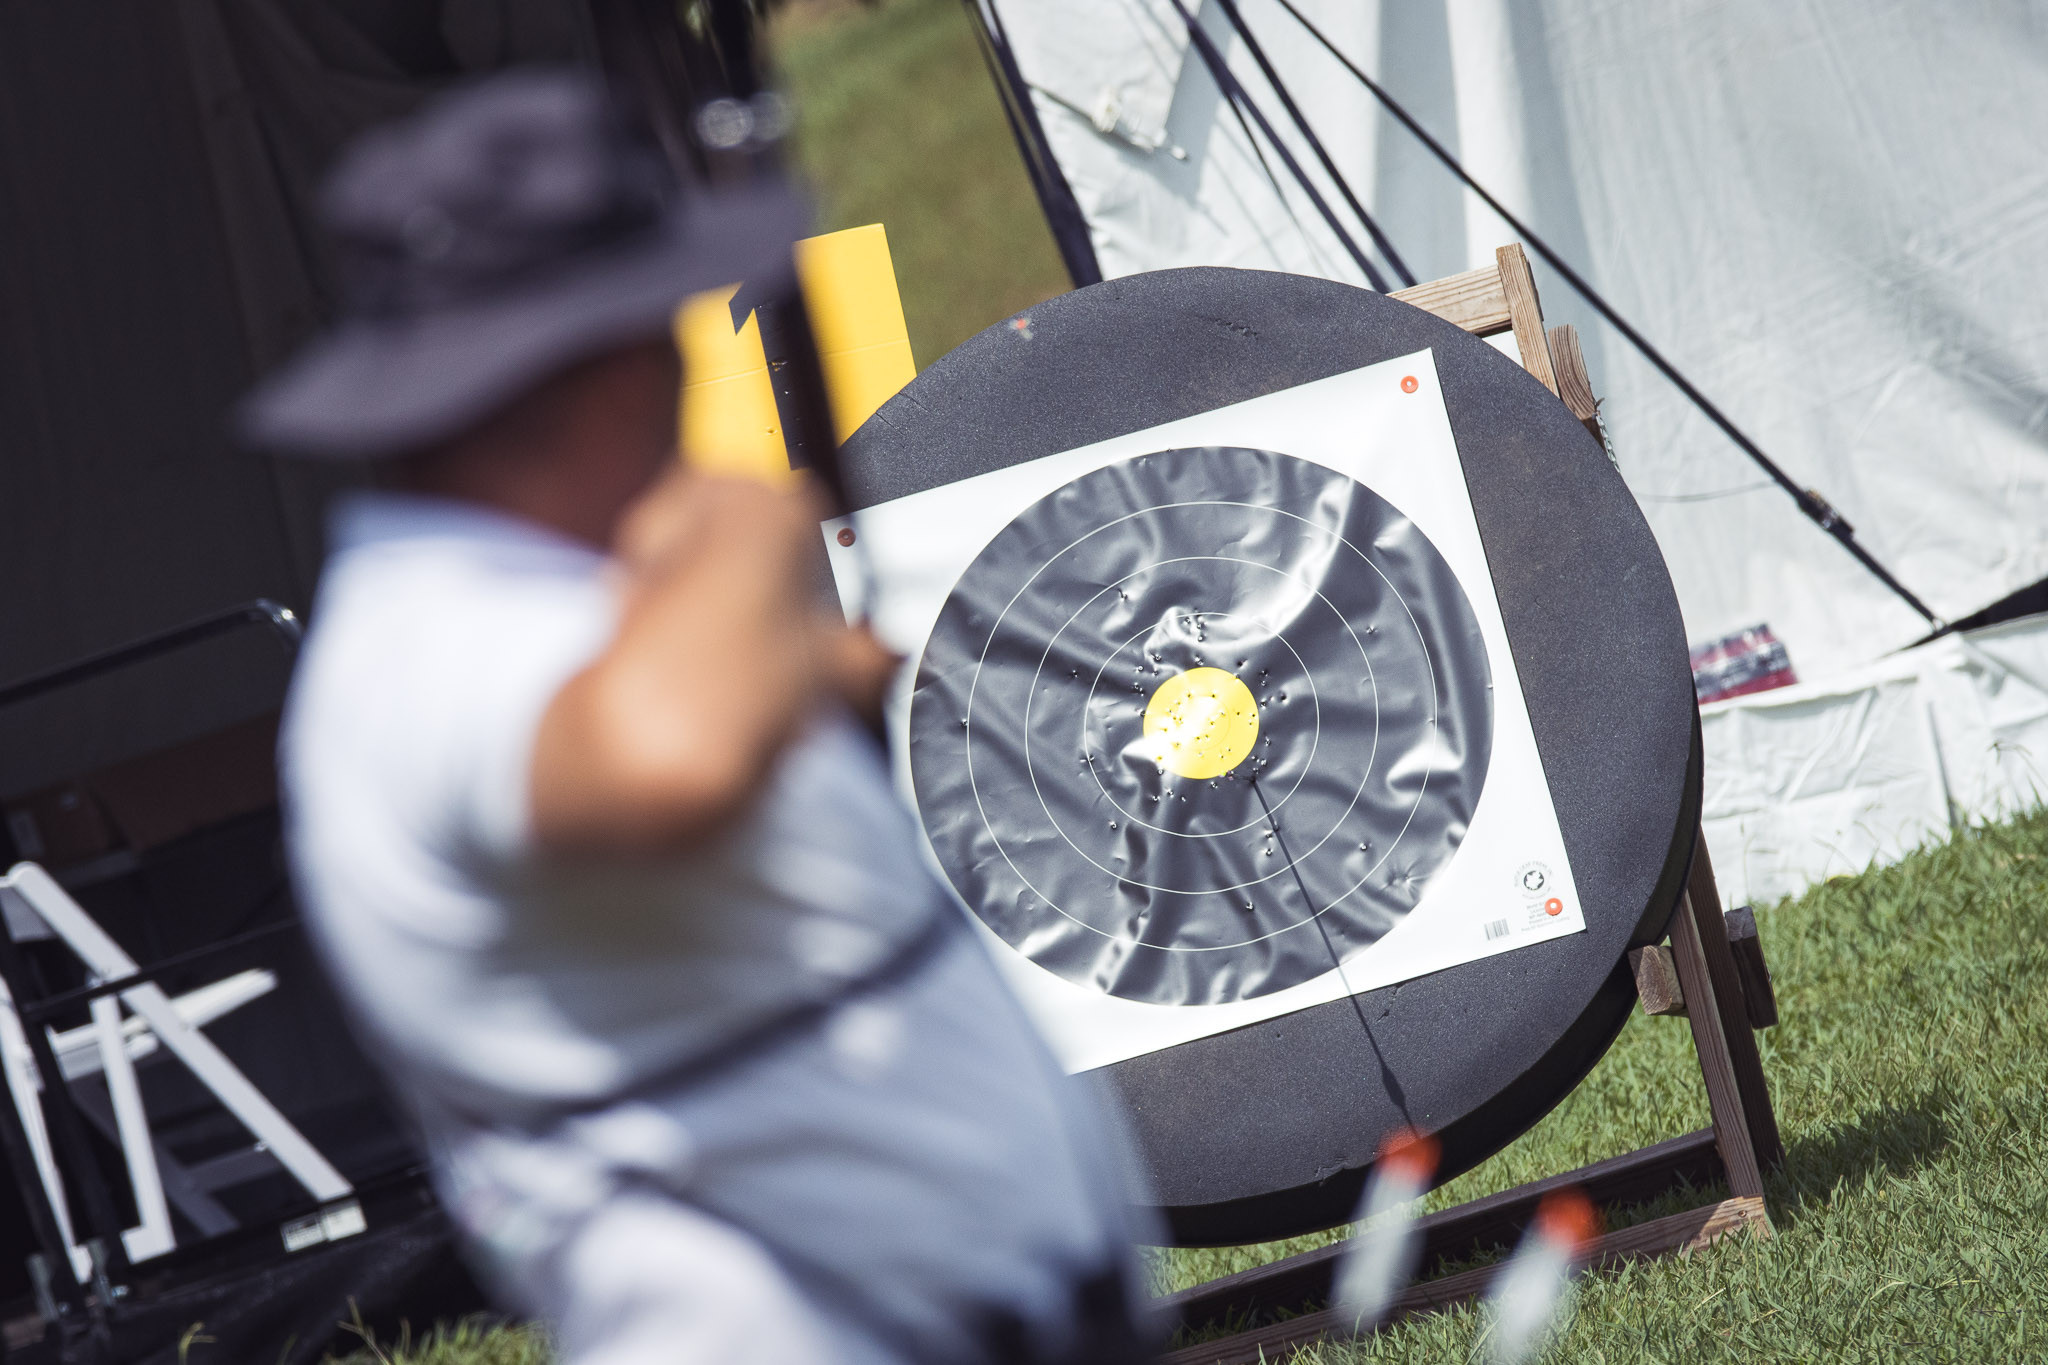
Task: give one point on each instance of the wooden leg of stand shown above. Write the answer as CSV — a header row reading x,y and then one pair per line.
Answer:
x,y
1735,1025
1525,313
1710,1040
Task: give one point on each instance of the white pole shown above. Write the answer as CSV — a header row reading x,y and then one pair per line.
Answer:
x,y
19,1064
153,1237
106,959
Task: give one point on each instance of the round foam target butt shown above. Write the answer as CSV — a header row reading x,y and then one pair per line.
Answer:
x,y
1254,714
1038,723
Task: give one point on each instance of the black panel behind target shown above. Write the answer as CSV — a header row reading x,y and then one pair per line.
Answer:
x,y
1265,1127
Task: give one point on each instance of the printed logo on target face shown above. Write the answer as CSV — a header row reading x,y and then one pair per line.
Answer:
x,y
1531,879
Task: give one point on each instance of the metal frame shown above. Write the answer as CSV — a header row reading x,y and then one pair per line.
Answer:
x,y
42,1139
106,961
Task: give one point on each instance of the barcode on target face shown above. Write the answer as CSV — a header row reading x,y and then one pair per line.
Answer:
x,y
1496,929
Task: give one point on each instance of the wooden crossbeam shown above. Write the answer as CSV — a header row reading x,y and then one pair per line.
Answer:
x,y
1304,1281
1759,1118
1676,1234
1474,300
1759,997
1656,980
1525,314
1574,385
1710,1040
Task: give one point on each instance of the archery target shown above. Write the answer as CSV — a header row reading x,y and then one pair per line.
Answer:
x,y
1291,589
1200,724
1256,1116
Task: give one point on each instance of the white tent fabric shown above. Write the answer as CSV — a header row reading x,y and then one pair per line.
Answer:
x,y
1830,216
1813,781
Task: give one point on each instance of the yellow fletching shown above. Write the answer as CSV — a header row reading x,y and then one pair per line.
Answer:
x,y
857,316
729,423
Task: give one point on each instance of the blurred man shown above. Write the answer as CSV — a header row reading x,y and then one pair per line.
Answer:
x,y
617,889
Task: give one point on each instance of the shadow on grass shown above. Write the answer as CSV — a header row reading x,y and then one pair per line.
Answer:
x,y
1895,1139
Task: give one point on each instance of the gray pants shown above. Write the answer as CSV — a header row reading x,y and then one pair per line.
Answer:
x,y
910,1180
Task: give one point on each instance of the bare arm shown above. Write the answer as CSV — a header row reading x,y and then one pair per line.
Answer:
x,y
722,653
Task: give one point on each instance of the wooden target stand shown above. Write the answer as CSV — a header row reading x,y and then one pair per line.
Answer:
x,y
1712,972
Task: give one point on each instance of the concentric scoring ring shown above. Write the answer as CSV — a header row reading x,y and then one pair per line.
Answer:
x,y
1051,810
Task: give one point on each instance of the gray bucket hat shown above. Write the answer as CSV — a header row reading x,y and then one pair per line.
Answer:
x,y
500,234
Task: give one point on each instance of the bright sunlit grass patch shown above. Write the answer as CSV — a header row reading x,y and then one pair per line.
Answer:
x,y
1908,1075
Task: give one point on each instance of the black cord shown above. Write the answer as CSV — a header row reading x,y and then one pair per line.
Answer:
x,y
1816,507
279,620
1234,91
1387,1077
1251,140
1055,196
1315,144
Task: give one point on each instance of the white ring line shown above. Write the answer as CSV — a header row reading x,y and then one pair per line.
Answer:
x,y
1256,881
1140,820
1316,914
1137,819
1430,664
1352,805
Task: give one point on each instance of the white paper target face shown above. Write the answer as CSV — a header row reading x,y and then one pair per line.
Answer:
x,y
1216,721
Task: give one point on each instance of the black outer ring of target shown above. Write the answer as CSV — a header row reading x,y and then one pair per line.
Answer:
x,y
1166,890
1270,1130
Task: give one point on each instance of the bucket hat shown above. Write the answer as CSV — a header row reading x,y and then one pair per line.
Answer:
x,y
502,233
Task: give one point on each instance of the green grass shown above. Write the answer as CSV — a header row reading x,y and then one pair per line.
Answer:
x,y
897,123
1908,1073
1912,1211
474,1341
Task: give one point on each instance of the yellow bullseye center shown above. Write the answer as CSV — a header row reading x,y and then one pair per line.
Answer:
x,y
1201,723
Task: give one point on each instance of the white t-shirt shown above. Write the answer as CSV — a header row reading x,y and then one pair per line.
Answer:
x,y
498,980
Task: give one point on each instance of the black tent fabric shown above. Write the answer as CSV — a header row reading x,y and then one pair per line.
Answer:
x,y
156,165
158,160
